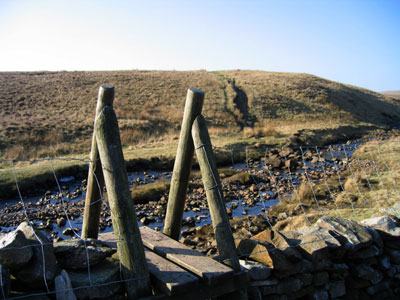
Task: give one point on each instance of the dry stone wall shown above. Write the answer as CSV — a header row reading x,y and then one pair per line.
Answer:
x,y
335,259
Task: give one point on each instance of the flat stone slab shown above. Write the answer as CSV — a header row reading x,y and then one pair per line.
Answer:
x,y
350,234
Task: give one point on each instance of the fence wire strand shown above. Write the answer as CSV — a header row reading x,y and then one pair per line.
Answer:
x,y
352,164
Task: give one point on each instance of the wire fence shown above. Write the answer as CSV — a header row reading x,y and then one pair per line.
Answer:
x,y
351,180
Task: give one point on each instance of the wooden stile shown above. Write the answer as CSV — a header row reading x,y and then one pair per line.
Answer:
x,y
130,246
215,199
183,165
95,181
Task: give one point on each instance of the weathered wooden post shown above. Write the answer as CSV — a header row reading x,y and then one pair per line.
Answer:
x,y
126,229
215,199
95,181
183,165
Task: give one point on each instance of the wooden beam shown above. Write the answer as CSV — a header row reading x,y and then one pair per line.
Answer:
x,y
211,271
182,165
130,247
95,180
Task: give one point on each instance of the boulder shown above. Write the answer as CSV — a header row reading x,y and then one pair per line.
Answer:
x,y
279,241
350,234
383,223
366,272
375,289
15,250
291,164
320,295
367,252
268,255
42,268
239,179
74,253
320,278
63,287
314,243
274,161
104,281
392,211
336,288
256,271
5,283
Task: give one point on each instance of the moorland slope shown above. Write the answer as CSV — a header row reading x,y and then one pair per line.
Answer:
x,y
51,113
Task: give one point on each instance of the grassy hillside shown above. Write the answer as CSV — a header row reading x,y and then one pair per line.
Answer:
x,y
51,113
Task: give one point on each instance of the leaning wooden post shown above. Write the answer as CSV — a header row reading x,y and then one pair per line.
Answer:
x,y
183,165
95,181
126,229
215,199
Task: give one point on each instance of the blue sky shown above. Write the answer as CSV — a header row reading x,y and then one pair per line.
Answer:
x,y
355,42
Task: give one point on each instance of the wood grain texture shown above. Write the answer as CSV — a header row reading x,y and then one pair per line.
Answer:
x,y
130,247
95,180
211,271
183,165
214,193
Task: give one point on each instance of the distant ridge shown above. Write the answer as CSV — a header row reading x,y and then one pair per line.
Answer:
x,y
395,94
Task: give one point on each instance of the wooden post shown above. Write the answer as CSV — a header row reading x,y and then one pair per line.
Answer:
x,y
183,165
95,181
215,199
126,229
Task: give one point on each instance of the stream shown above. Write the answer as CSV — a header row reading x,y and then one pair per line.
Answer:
x,y
50,206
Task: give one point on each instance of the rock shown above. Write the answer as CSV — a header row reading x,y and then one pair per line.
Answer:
x,y
305,278
34,273
284,286
320,278
238,179
368,273
383,223
15,250
5,283
256,271
279,241
254,293
292,164
393,271
74,253
394,256
68,232
393,211
314,243
375,289
385,262
336,289
63,287
269,256
100,275
351,234
274,161
321,295
366,252
61,222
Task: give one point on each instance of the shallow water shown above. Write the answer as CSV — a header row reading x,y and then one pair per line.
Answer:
x,y
202,216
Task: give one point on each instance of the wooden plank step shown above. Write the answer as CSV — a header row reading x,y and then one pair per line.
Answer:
x,y
165,275
207,268
168,277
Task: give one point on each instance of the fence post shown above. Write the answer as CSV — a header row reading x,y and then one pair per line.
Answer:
x,y
215,199
183,165
126,229
95,181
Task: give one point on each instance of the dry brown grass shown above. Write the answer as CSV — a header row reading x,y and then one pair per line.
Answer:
x,y
51,113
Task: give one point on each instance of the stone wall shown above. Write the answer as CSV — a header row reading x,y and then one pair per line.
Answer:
x,y
335,259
